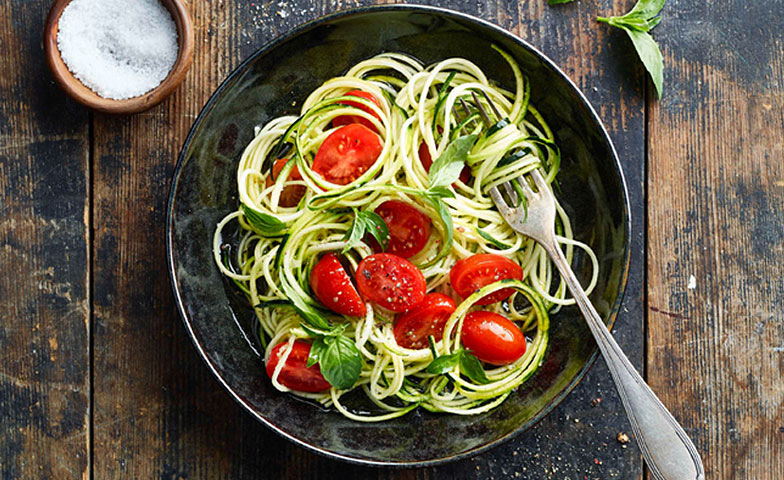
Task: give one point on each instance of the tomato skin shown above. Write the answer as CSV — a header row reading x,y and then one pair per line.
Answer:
x,y
427,162
295,374
292,194
347,153
492,338
349,119
427,318
472,273
409,229
333,287
390,281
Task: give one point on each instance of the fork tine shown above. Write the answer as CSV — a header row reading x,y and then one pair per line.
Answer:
x,y
467,110
482,111
492,106
540,182
527,190
510,190
498,199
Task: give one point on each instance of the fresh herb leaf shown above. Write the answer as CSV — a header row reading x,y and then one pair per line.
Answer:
x,y
558,2
471,367
444,363
447,167
441,192
366,222
340,361
637,23
265,225
316,349
492,240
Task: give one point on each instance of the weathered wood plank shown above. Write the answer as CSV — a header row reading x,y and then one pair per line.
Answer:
x,y
44,294
159,413
716,337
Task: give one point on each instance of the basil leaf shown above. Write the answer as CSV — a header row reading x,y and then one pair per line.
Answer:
x,y
651,57
444,363
446,219
446,168
632,23
313,317
441,192
265,225
471,367
366,222
340,362
492,240
316,350
647,9
558,2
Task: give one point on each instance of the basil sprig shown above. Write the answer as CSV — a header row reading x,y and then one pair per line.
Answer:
x,y
265,225
337,355
369,222
637,24
470,366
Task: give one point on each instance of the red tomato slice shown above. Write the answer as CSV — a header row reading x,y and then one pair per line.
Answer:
x,y
409,229
427,162
472,273
295,374
428,318
349,119
492,338
390,281
292,194
347,153
334,289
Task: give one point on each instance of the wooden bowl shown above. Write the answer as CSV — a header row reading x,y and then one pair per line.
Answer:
x,y
82,94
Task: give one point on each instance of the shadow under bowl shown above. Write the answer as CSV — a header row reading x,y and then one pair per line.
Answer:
x,y
265,86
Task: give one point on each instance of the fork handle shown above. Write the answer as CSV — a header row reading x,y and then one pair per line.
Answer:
x,y
667,449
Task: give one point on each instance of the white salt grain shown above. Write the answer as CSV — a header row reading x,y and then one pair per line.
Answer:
x,y
118,48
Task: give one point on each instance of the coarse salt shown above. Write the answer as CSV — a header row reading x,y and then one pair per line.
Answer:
x,y
118,48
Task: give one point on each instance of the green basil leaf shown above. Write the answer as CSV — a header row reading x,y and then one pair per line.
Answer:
x,y
366,222
340,362
558,2
311,315
490,239
265,225
446,219
647,9
471,367
632,23
446,168
653,22
441,192
316,350
651,57
444,363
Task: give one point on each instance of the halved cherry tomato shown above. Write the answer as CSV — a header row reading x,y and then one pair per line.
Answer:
x,y
347,153
427,162
428,318
492,338
292,194
390,281
295,374
409,229
333,287
348,119
472,273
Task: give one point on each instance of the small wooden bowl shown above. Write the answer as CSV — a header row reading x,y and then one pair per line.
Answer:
x,y
82,94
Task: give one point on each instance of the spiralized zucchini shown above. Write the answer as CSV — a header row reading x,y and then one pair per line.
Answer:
x,y
271,264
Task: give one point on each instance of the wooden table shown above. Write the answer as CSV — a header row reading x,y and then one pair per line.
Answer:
x,y
98,378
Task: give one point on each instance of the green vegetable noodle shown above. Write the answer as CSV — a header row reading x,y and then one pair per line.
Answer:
x,y
313,209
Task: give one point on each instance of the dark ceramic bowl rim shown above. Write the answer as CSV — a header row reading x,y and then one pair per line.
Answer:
x,y
284,38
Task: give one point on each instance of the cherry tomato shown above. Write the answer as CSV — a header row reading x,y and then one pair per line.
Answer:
x,y
348,119
409,229
292,194
333,287
295,374
390,281
428,318
492,338
472,273
427,162
347,153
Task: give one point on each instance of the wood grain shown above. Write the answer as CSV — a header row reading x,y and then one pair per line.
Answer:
x,y
716,185
44,234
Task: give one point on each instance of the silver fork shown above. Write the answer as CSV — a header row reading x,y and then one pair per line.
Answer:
x,y
667,449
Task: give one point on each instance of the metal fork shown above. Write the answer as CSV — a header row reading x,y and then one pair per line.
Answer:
x,y
667,449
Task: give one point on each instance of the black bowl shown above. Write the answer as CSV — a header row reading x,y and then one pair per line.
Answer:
x,y
204,190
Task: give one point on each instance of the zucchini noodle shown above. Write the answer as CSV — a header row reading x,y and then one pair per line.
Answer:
x,y
417,105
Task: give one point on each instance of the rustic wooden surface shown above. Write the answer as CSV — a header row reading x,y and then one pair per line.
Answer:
x,y
99,380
